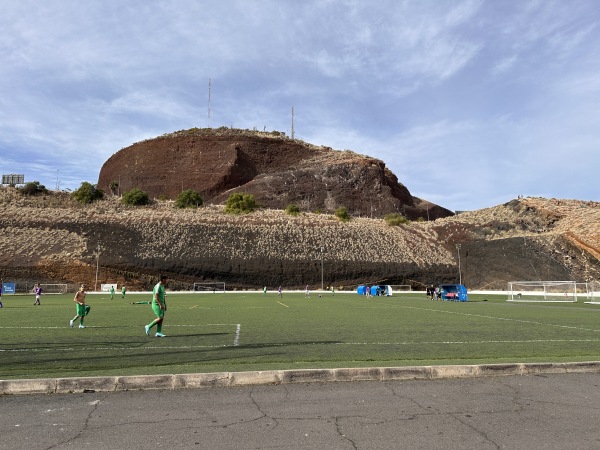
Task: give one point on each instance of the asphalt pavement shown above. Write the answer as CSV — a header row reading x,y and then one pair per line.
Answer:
x,y
532,411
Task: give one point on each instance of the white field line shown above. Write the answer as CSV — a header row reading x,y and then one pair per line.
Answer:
x,y
123,326
283,304
236,340
283,344
532,322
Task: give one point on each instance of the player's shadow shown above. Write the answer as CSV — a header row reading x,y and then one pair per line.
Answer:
x,y
285,344
174,336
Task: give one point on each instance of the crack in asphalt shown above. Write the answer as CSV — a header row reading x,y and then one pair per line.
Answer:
x,y
95,404
338,428
475,429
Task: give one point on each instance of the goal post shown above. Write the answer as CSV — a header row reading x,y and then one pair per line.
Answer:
x,y
593,292
106,287
48,288
214,287
401,287
542,291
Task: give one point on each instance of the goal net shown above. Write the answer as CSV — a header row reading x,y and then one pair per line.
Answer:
x,y
400,287
53,288
542,291
209,287
593,291
106,287
397,289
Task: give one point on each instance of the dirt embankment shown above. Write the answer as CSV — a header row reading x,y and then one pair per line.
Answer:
x,y
52,239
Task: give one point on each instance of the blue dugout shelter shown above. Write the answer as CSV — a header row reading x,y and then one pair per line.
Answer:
x,y
455,292
375,290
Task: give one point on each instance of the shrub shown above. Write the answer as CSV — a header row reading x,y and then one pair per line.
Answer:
x,y
33,188
135,197
239,203
87,193
395,219
342,214
114,187
292,210
188,199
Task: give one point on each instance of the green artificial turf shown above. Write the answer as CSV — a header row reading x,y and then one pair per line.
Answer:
x,y
248,331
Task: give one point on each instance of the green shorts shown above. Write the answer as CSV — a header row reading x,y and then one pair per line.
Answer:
x,y
83,310
160,313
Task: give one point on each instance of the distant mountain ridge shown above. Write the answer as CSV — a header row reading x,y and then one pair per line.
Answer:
x,y
277,170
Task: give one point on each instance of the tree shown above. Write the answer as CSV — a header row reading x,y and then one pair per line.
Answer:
x,y
135,197
33,188
189,199
239,203
342,214
87,193
113,186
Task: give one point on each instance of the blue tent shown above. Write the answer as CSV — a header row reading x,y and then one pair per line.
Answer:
x,y
375,290
456,292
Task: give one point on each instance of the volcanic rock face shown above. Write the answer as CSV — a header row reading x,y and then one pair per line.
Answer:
x,y
278,171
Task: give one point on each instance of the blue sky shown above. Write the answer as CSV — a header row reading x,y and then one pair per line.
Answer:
x,y
470,103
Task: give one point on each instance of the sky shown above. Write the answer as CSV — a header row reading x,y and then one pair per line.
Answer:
x,y
470,103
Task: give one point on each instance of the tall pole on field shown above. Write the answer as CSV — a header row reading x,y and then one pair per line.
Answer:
x,y
459,271
97,262
209,86
322,286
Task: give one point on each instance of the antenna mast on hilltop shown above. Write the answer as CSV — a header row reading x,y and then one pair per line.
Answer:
x,y
209,82
292,122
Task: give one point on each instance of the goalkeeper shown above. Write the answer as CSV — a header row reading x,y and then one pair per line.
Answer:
x,y
159,306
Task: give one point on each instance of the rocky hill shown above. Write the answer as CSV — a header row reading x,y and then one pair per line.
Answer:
x,y
277,170
53,239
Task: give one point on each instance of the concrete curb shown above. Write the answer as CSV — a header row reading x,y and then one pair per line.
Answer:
x,y
230,379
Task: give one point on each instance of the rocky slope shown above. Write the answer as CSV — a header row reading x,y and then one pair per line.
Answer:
x,y
53,239
277,170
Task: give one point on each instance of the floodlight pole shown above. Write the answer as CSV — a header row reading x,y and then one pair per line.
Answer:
x,y
459,272
322,268
97,261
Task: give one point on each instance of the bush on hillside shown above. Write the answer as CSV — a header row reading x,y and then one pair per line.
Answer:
x,y
33,188
135,197
239,203
87,193
395,219
189,199
292,210
342,214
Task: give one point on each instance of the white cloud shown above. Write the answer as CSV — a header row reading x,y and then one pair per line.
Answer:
x,y
506,91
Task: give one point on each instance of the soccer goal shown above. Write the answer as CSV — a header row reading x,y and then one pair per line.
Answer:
x,y
209,287
401,287
106,287
398,288
593,292
53,288
542,291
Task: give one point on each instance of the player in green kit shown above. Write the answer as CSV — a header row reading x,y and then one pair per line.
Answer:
x,y
159,306
123,291
112,291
